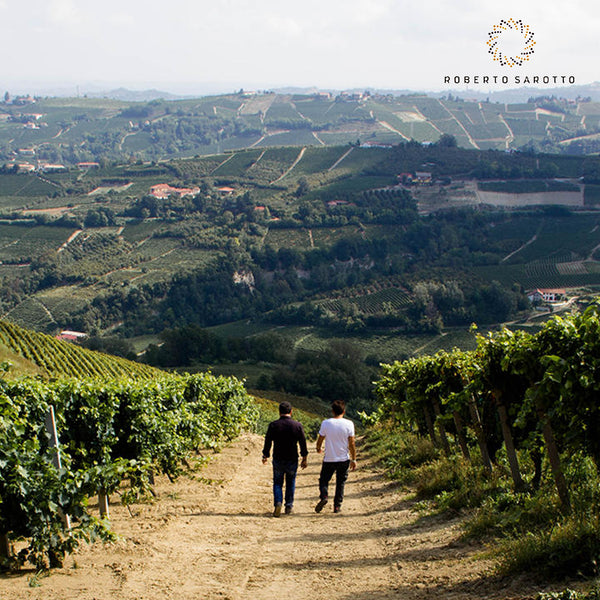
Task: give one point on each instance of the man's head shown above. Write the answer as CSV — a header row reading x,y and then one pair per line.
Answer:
x,y
338,407
285,408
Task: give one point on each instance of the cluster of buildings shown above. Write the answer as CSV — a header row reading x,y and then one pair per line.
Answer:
x,y
162,191
419,178
39,167
539,295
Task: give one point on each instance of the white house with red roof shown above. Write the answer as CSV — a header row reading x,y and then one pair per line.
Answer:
x,y
546,295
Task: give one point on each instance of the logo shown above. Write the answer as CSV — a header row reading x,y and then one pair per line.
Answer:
x,y
511,43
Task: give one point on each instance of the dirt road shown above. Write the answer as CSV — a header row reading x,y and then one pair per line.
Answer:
x,y
214,538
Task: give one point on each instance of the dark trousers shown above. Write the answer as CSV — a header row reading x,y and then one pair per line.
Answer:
x,y
341,474
284,470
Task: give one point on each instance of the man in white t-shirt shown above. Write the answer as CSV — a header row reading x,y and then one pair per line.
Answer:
x,y
340,455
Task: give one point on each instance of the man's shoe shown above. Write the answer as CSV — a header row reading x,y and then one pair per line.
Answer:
x,y
277,511
337,509
288,510
320,504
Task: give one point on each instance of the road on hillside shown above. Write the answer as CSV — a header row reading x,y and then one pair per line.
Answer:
x,y
214,537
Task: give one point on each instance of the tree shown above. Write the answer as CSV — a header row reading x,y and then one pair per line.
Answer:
x,y
303,187
447,141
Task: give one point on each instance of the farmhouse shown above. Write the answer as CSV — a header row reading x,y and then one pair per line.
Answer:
x,y
164,190
375,145
422,177
546,295
49,168
88,165
71,336
25,168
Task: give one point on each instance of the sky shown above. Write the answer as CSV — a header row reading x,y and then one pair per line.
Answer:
x,y
209,46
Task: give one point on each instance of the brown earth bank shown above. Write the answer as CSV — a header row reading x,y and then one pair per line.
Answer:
x,y
213,536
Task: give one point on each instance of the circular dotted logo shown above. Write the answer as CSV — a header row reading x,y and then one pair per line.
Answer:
x,y
500,48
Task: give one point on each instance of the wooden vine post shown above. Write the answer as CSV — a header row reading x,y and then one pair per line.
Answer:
x,y
5,550
478,427
103,504
51,429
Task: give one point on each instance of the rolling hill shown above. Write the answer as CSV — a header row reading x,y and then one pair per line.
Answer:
x,y
72,130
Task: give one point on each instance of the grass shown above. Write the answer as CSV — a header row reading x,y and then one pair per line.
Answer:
x,y
19,366
526,532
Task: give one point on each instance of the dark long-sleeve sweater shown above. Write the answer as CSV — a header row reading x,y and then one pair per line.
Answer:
x,y
285,435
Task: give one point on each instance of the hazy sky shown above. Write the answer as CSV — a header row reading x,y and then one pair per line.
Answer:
x,y
221,45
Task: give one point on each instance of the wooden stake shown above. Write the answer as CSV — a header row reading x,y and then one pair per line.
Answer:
x,y
103,504
51,429
5,549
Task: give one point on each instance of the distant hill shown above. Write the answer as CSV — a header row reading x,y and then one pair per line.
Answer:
x,y
519,95
126,95
112,127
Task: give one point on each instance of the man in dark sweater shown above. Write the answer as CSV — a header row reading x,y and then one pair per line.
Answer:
x,y
285,435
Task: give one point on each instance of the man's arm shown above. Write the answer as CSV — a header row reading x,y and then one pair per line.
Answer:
x,y
303,448
267,447
320,441
352,451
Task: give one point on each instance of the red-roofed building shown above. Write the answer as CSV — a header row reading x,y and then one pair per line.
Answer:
x,y
225,191
70,336
546,295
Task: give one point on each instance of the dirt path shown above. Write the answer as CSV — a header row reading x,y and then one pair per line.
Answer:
x,y
298,159
453,116
340,159
214,538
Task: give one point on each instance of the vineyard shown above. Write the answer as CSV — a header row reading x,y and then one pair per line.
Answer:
x,y
543,274
57,358
515,424
115,436
390,299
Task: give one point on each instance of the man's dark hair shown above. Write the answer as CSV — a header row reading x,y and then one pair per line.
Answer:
x,y
285,408
338,407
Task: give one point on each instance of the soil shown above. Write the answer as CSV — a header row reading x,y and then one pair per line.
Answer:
x,y
213,536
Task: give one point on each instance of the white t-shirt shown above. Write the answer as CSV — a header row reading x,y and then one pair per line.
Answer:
x,y
336,433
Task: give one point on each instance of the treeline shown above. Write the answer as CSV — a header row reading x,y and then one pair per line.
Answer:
x,y
430,257
337,370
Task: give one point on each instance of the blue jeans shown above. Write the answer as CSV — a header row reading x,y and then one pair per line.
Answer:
x,y
341,474
284,469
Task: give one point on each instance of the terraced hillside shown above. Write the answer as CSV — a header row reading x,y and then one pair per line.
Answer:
x,y
69,131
